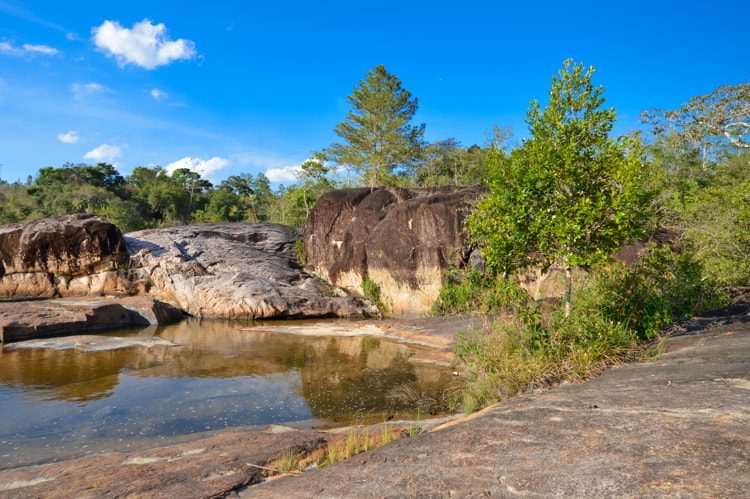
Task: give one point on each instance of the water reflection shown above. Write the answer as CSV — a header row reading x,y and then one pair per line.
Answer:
x,y
220,376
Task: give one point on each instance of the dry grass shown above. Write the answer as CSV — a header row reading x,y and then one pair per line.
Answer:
x,y
340,447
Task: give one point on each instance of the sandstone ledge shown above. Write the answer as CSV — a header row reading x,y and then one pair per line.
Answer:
x,y
23,320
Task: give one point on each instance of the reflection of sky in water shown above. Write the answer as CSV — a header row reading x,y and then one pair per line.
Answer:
x,y
55,404
143,408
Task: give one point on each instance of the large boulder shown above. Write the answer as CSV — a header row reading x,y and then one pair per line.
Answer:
x,y
67,255
402,239
233,270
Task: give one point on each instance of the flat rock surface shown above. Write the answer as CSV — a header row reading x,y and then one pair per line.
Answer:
x,y
233,270
679,426
88,343
200,468
23,320
437,334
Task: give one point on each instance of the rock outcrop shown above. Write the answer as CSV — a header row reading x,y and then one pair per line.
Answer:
x,y
402,239
44,318
232,270
69,255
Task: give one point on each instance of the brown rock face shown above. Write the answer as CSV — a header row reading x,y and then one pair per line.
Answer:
x,y
232,270
65,256
402,239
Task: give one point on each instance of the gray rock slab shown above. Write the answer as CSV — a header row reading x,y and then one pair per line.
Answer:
x,y
233,270
676,427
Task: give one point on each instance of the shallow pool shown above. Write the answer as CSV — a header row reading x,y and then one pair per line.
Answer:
x,y
222,374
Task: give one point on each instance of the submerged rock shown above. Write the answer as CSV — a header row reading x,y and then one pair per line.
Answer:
x,y
69,255
402,239
233,270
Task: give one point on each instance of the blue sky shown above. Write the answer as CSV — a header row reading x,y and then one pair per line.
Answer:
x,y
255,87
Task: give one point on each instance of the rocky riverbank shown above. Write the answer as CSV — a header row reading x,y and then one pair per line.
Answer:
x,y
675,426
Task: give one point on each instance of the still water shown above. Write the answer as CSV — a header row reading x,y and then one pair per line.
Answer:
x,y
222,374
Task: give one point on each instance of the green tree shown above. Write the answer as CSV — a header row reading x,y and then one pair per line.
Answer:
x,y
708,121
379,142
571,194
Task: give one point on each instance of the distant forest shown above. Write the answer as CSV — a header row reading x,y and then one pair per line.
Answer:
x,y
695,168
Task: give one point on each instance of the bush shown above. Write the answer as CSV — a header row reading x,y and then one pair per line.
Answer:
x,y
371,291
472,292
614,309
661,288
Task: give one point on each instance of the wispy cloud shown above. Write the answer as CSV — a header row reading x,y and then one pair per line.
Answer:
x,y
145,45
203,166
83,90
7,48
11,8
70,137
284,175
157,94
104,153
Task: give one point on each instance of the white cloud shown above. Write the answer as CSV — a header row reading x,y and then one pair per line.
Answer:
x,y
203,166
284,175
104,153
8,48
40,49
83,90
70,36
158,94
145,44
70,137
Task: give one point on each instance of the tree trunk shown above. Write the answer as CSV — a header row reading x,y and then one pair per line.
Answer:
x,y
568,290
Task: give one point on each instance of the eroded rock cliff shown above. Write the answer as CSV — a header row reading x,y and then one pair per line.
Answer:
x,y
402,239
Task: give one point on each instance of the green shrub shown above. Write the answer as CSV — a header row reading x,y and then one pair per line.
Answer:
x,y
663,287
371,291
299,249
472,292
614,309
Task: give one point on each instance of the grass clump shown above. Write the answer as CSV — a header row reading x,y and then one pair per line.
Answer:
x,y
371,291
616,309
472,292
355,441
299,249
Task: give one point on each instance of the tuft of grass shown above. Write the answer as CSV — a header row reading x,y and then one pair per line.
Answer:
x,y
299,249
371,291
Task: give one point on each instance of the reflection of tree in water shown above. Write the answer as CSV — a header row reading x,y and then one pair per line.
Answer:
x,y
339,387
66,375
343,385
342,378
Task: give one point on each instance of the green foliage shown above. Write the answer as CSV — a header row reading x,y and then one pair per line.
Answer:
x,y
299,249
617,307
472,292
371,291
570,194
378,139
708,120
661,288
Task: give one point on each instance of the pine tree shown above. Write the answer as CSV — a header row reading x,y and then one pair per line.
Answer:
x,y
379,142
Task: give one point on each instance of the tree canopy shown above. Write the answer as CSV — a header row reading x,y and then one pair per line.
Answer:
x,y
571,194
377,137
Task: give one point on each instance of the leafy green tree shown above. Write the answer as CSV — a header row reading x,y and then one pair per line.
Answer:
x,y
571,194
379,142
708,121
